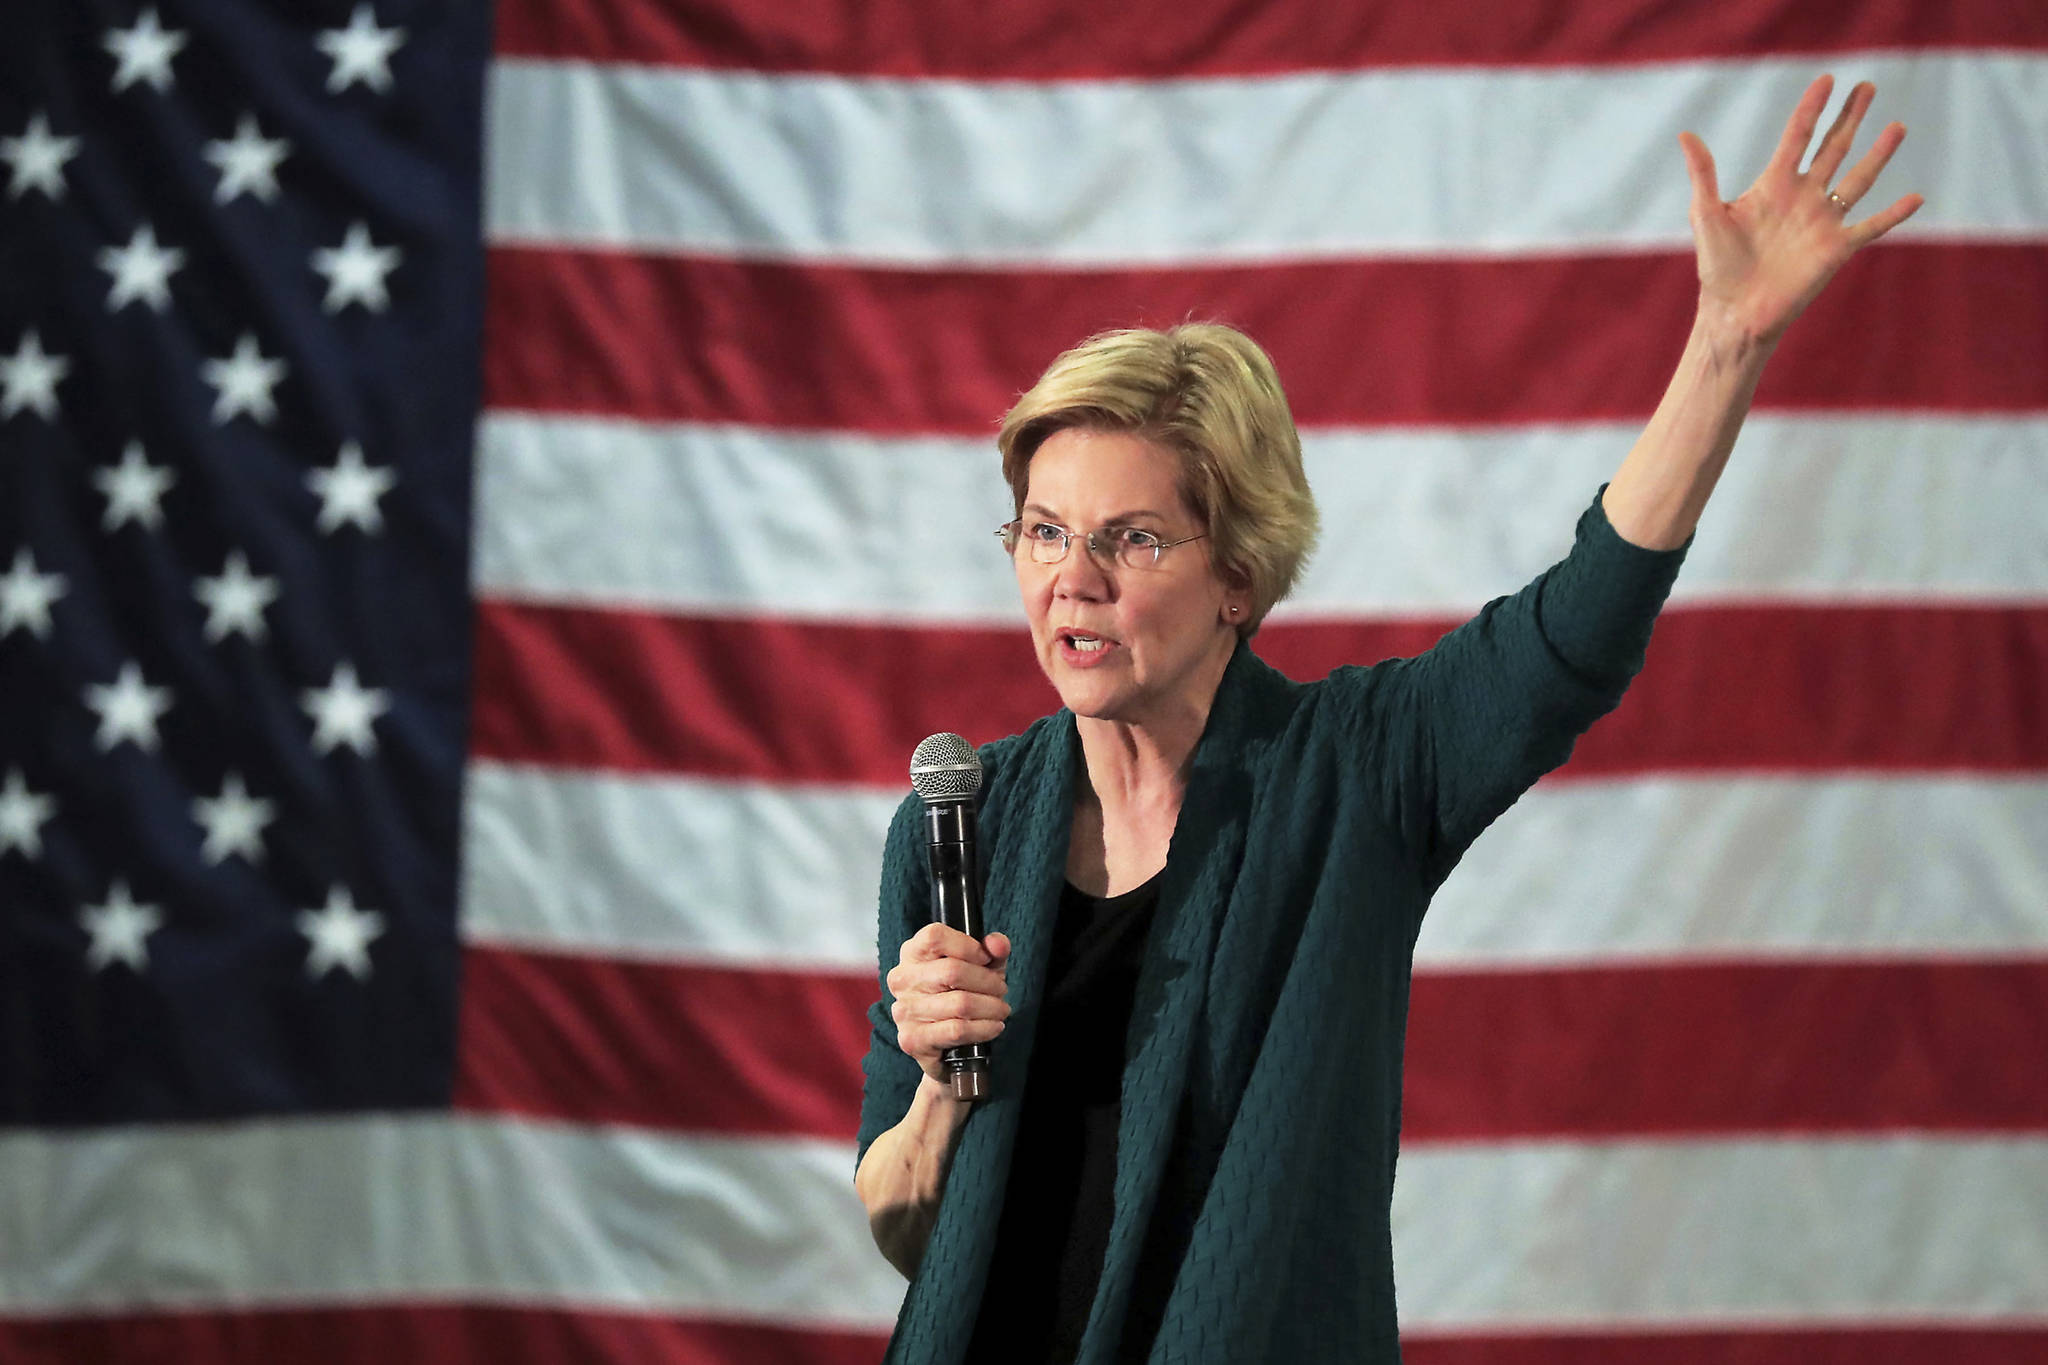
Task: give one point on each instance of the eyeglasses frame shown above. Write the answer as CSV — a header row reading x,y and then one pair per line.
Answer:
x,y
1008,534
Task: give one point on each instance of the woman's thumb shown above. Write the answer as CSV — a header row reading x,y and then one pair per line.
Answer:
x,y
998,946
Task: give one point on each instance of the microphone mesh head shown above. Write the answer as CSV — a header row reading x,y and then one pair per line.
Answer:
x,y
945,768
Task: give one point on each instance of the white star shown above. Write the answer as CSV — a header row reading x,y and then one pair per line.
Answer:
x,y
128,709
26,596
144,52
37,159
22,816
234,821
344,710
338,935
133,489
361,52
120,929
348,490
235,600
247,162
141,270
355,270
28,379
243,381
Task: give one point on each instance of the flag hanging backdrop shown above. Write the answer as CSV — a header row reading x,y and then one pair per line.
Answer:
x,y
443,762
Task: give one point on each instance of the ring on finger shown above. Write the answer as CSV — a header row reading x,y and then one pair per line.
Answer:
x,y
1838,201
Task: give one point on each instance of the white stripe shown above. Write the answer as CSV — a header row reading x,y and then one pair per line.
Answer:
x,y
733,873
1409,161
365,1210
749,874
1516,1236
1751,867
737,520
356,1210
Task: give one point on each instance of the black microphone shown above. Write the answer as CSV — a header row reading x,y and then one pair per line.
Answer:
x,y
946,772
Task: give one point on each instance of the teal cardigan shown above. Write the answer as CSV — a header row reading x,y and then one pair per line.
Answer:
x,y
1262,1076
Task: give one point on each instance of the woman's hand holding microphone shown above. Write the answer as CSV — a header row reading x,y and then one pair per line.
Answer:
x,y
949,991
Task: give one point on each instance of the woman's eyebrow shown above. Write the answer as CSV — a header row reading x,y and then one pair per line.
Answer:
x,y
1120,519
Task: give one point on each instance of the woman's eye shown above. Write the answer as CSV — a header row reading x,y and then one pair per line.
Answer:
x,y
1044,530
1131,538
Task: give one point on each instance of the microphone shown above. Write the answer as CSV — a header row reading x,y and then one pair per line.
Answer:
x,y
946,772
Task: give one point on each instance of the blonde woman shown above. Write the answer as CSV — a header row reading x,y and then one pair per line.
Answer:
x,y
1204,881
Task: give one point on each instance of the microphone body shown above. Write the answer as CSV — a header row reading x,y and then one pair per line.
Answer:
x,y
946,772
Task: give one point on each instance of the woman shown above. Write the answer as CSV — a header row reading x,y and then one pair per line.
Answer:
x,y
1204,881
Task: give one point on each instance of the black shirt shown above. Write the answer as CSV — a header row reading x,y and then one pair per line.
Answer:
x,y
1056,1212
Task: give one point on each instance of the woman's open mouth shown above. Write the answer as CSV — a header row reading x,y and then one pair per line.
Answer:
x,y
1082,649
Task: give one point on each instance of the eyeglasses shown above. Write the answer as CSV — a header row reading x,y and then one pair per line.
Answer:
x,y
1129,547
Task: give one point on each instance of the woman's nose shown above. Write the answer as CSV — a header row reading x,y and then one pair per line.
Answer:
x,y
1079,574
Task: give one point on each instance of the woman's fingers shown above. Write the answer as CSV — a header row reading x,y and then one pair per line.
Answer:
x,y
1798,134
949,990
927,1042
1878,224
1854,185
945,974
937,940
1841,134
1699,168
937,1008
937,958
926,1025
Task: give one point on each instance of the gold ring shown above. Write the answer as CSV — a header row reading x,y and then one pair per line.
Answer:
x,y
1838,201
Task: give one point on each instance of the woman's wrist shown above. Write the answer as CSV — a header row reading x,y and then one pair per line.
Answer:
x,y
1728,341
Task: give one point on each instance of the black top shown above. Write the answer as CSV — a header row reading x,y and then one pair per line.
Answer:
x,y
1056,1212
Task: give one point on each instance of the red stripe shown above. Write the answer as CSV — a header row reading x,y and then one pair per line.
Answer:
x,y
1780,687
1224,37
474,1335
1771,1047
447,1334
1727,1047
1526,339
1914,1345
662,1045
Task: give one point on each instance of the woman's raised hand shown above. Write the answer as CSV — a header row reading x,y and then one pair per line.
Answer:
x,y
949,990
1765,256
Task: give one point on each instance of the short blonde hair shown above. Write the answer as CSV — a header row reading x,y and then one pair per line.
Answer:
x,y
1209,394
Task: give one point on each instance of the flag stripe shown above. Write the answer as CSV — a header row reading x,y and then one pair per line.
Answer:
x,y
897,38
1784,1234
1534,1237
1716,868
676,338
1906,1345
447,1334
474,1334
692,1048
493,1335
1728,688
429,1208
1594,1051
721,520
1580,1052
950,173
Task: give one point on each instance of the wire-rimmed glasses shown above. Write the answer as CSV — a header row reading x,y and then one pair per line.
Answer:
x,y
1129,547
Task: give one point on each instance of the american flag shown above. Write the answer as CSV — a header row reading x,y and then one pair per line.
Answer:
x,y
488,503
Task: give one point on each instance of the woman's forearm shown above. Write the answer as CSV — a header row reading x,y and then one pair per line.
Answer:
x,y
903,1175
1656,497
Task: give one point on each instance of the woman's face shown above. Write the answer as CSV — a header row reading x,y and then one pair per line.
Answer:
x,y
1122,644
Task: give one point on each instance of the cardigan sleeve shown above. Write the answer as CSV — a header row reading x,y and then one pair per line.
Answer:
x,y
1462,730
891,1075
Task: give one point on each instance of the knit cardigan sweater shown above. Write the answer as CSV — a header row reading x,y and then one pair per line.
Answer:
x,y
1261,1100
